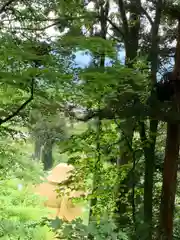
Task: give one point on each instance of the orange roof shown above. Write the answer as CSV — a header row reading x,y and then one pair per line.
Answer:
x,y
60,173
62,206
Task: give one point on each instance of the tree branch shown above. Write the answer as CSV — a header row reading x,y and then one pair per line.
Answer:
x,y
8,3
115,26
154,110
130,6
147,15
21,107
56,22
104,113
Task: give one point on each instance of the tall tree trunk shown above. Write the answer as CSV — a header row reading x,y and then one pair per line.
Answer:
x,y
149,173
171,159
149,153
123,187
47,157
131,29
169,182
37,150
97,167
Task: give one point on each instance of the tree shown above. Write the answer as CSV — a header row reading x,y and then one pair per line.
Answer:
x,y
112,108
47,131
121,95
143,111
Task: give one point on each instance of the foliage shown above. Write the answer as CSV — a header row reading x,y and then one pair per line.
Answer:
x,y
15,153
46,131
21,212
76,230
118,154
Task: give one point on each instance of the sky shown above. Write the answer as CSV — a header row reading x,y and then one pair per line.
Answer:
x,y
82,59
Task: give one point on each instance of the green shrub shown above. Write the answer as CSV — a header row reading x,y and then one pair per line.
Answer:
x,y
21,213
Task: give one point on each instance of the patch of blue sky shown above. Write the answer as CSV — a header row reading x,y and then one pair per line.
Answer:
x,y
83,59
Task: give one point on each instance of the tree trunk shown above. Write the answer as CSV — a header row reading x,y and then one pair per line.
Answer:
x,y
149,153
131,42
169,182
37,150
47,157
124,186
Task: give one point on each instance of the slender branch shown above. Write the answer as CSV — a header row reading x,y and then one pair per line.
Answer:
x,y
114,38
8,3
115,26
34,29
21,107
56,22
147,15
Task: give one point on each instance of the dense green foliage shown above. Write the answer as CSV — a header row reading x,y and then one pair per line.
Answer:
x,y
101,115
21,213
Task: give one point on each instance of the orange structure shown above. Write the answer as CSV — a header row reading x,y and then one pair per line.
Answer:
x,y
61,206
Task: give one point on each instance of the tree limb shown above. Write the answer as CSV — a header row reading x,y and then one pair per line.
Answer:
x,y
147,15
156,112
8,3
104,113
130,6
115,26
56,22
21,107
